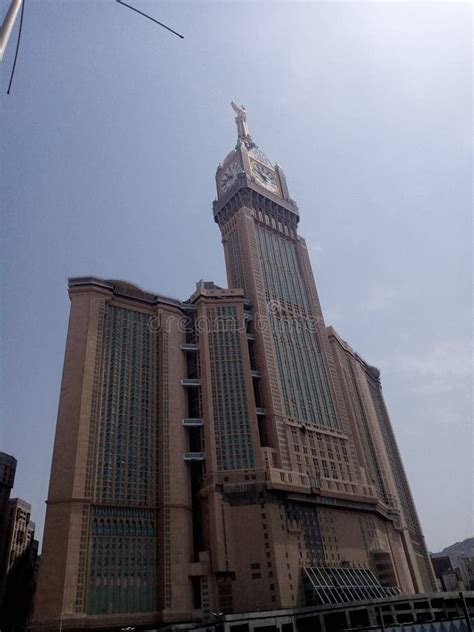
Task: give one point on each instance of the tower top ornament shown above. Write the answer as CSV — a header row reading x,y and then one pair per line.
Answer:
x,y
241,121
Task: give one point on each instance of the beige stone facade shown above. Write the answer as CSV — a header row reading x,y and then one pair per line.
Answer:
x,y
208,451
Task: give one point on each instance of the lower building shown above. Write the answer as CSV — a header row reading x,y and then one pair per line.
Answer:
x,y
452,573
7,479
21,553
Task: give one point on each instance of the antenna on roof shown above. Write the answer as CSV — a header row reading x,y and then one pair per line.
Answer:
x,y
150,18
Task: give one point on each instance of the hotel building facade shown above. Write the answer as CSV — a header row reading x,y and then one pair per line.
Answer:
x,y
223,454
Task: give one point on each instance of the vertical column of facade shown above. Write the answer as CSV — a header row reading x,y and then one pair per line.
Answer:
x,y
414,541
371,427
233,457
359,382
214,525
382,549
232,411
356,432
295,323
59,587
302,364
121,565
366,449
339,402
175,548
243,265
274,421
200,458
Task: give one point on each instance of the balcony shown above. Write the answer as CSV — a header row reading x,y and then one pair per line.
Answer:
x,y
193,456
255,373
250,337
189,346
261,411
192,422
191,381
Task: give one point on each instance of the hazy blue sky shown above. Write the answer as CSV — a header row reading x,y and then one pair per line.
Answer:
x,y
109,145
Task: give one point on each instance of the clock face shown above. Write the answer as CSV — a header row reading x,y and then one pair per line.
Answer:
x,y
230,176
265,177
258,154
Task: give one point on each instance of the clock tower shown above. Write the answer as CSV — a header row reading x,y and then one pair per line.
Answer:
x,y
248,159
267,258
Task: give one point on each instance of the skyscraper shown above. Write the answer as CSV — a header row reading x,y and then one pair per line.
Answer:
x,y
226,453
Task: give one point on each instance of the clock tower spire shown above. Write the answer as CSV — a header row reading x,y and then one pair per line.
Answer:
x,y
241,121
247,166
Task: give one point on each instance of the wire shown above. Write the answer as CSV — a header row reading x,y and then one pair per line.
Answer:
x,y
17,45
150,18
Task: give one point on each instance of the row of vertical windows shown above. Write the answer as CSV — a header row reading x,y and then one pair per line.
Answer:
x,y
236,259
366,434
231,416
395,461
303,376
126,468
280,268
122,574
122,553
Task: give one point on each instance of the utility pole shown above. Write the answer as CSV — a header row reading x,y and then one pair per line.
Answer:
x,y
8,24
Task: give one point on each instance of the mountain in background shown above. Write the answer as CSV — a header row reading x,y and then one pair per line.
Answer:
x,y
466,547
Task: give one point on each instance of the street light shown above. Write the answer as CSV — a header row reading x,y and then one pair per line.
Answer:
x,y
8,24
